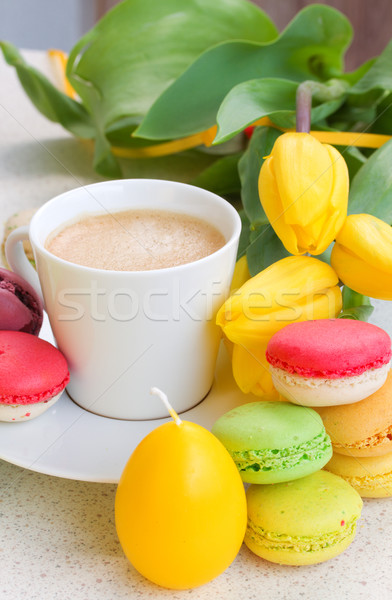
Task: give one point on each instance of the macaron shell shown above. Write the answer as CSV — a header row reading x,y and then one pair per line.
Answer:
x,y
329,348
271,442
370,476
304,521
363,428
21,308
263,425
14,314
31,369
16,220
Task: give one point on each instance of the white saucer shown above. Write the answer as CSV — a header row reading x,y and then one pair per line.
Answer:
x,y
70,442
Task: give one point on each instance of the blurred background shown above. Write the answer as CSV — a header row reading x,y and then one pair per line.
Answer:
x,y
42,24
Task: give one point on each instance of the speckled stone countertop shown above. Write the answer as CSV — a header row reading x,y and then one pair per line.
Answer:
x,y
57,536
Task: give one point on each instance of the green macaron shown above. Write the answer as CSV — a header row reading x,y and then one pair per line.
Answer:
x,y
271,442
302,522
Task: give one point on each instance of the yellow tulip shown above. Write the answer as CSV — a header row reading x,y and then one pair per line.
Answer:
x,y
241,274
296,288
362,256
303,188
251,371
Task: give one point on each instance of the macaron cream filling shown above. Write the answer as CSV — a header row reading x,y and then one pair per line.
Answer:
x,y
294,379
319,391
367,378
375,441
369,482
271,442
268,459
276,541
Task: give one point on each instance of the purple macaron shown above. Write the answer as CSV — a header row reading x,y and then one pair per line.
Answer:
x,y
20,306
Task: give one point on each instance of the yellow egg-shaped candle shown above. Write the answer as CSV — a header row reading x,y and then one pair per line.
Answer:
x,y
180,506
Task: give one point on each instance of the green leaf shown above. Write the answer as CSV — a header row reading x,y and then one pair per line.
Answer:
x,y
222,177
263,245
371,188
352,299
185,166
252,100
249,166
141,46
354,159
311,47
104,162
358,112
383,119
358,73
326,255
122,65
268,97
264,250
52,103
244,236
355,305
359,313
379,75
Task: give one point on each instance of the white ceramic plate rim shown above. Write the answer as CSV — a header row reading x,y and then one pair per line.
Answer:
x,y
69,442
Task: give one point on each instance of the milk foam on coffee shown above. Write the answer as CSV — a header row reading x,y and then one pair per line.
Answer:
x,y
135,240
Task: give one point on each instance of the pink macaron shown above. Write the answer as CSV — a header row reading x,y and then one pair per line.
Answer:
x,y
33,373
329,361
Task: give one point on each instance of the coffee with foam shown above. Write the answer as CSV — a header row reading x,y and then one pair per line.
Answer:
x,y
135,240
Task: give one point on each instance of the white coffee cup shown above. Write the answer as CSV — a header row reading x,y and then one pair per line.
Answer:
x,y
123,332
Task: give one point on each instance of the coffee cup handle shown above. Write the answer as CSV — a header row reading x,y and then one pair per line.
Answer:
x,y
18,260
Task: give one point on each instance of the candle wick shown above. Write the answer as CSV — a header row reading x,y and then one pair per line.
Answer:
x,y
163,397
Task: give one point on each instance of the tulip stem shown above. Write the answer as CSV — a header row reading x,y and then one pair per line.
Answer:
x,y
303,107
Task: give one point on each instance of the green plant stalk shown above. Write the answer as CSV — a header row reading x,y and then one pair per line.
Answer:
x,y
303,107
321,92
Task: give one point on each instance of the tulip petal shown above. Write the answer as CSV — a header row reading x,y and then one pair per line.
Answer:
x,y
303,188
308,237
361,276
251,371
252,330
340,189
241,274
338,202
370,239
284,282
271,203
304,177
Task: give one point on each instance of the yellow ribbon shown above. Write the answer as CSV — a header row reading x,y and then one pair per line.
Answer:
x,y
338,138
191,141
348,138
59,61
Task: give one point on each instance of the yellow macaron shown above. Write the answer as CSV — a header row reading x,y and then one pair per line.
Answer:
x,y
371,476
302,522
